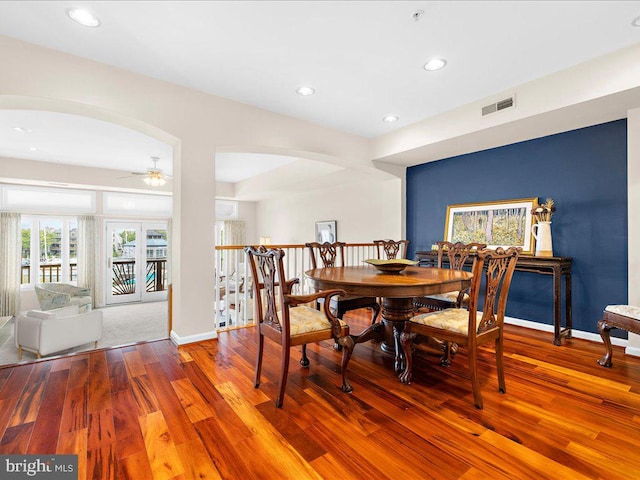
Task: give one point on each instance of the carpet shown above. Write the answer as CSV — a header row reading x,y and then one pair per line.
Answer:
x,y
122,325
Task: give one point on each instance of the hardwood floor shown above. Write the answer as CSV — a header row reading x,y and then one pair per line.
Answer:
x,y
157,411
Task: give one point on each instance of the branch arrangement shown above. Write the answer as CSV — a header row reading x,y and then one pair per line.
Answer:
x,y
544,212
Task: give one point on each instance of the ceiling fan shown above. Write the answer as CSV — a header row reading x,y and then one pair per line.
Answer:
x,y
153,176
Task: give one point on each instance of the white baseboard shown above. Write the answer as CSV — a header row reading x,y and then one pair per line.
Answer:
x,y
635,351
594,337
178,340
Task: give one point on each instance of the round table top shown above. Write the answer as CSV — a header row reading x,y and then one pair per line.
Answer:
x,y
411,282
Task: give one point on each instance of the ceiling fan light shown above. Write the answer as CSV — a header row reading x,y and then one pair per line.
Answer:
x,y
154,180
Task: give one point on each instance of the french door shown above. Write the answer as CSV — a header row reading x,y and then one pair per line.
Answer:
x,y
136,262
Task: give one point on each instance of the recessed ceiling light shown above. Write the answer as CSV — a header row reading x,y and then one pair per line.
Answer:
x,y
305,91
83,17
435,64
636,22
390,119
22,130
33,149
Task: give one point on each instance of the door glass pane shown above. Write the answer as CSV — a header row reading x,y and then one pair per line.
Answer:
x,y
26,252
50,251
156,253
124,261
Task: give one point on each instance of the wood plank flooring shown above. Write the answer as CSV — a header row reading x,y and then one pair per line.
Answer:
x,y
154,411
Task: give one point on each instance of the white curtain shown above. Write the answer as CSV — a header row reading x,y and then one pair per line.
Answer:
x,y
88,254
10,263
235,232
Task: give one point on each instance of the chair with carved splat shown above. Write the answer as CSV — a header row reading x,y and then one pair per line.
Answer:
x,y
332,255
391,249
457,253
471,328
285,318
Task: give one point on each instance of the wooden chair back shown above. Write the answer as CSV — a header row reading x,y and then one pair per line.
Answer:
x,y
496,268
390,249
330,254
457,253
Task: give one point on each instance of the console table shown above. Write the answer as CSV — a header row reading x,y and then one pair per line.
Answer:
x,y
558,267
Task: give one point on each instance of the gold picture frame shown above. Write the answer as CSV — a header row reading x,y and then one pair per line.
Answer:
x,y
502,223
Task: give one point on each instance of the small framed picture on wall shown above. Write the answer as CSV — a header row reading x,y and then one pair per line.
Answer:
x,y
326,231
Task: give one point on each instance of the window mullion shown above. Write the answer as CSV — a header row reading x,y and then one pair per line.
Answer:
x,y
64,254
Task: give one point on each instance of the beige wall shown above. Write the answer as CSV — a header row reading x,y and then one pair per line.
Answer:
x,y
247,212
194,123
364,212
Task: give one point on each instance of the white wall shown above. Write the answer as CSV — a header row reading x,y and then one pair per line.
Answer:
x,y
365,211
247,212
633,186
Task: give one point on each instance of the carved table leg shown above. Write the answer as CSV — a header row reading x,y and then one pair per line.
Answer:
x,y
605,332
395,312
405,340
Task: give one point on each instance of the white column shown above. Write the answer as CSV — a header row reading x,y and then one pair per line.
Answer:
x,y
633,207
193,243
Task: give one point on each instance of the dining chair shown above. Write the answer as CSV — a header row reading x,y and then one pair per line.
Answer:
x,y
457,254
470,328
332,255
287,320
390,249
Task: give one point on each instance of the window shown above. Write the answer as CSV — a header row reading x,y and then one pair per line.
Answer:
x,y
137,205
20,198
49,249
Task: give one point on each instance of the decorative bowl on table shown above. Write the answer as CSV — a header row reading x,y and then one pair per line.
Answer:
x,y
395,265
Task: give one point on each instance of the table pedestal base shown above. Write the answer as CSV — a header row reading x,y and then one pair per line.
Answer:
x,y
395,312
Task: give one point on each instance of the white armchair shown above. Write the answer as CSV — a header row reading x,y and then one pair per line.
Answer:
x,y
56,330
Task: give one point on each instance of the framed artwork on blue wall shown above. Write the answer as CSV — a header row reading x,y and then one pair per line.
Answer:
x,y
502,223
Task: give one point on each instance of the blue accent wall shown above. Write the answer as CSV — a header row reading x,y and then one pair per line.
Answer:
x,y
584,171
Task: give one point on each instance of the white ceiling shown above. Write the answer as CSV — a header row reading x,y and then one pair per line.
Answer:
x,y
83,141
364,58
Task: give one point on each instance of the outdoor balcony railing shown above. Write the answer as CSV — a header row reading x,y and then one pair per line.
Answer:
x,y
50,272
123,275
233,283
124,280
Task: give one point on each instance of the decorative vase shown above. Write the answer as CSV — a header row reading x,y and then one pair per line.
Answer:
x,y
542,233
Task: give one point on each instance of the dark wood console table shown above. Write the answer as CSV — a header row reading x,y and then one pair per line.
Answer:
x,y
556,266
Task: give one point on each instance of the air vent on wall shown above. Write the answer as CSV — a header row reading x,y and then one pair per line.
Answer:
x,y
496,107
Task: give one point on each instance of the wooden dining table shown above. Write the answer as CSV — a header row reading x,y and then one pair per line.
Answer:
x,y
397,291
